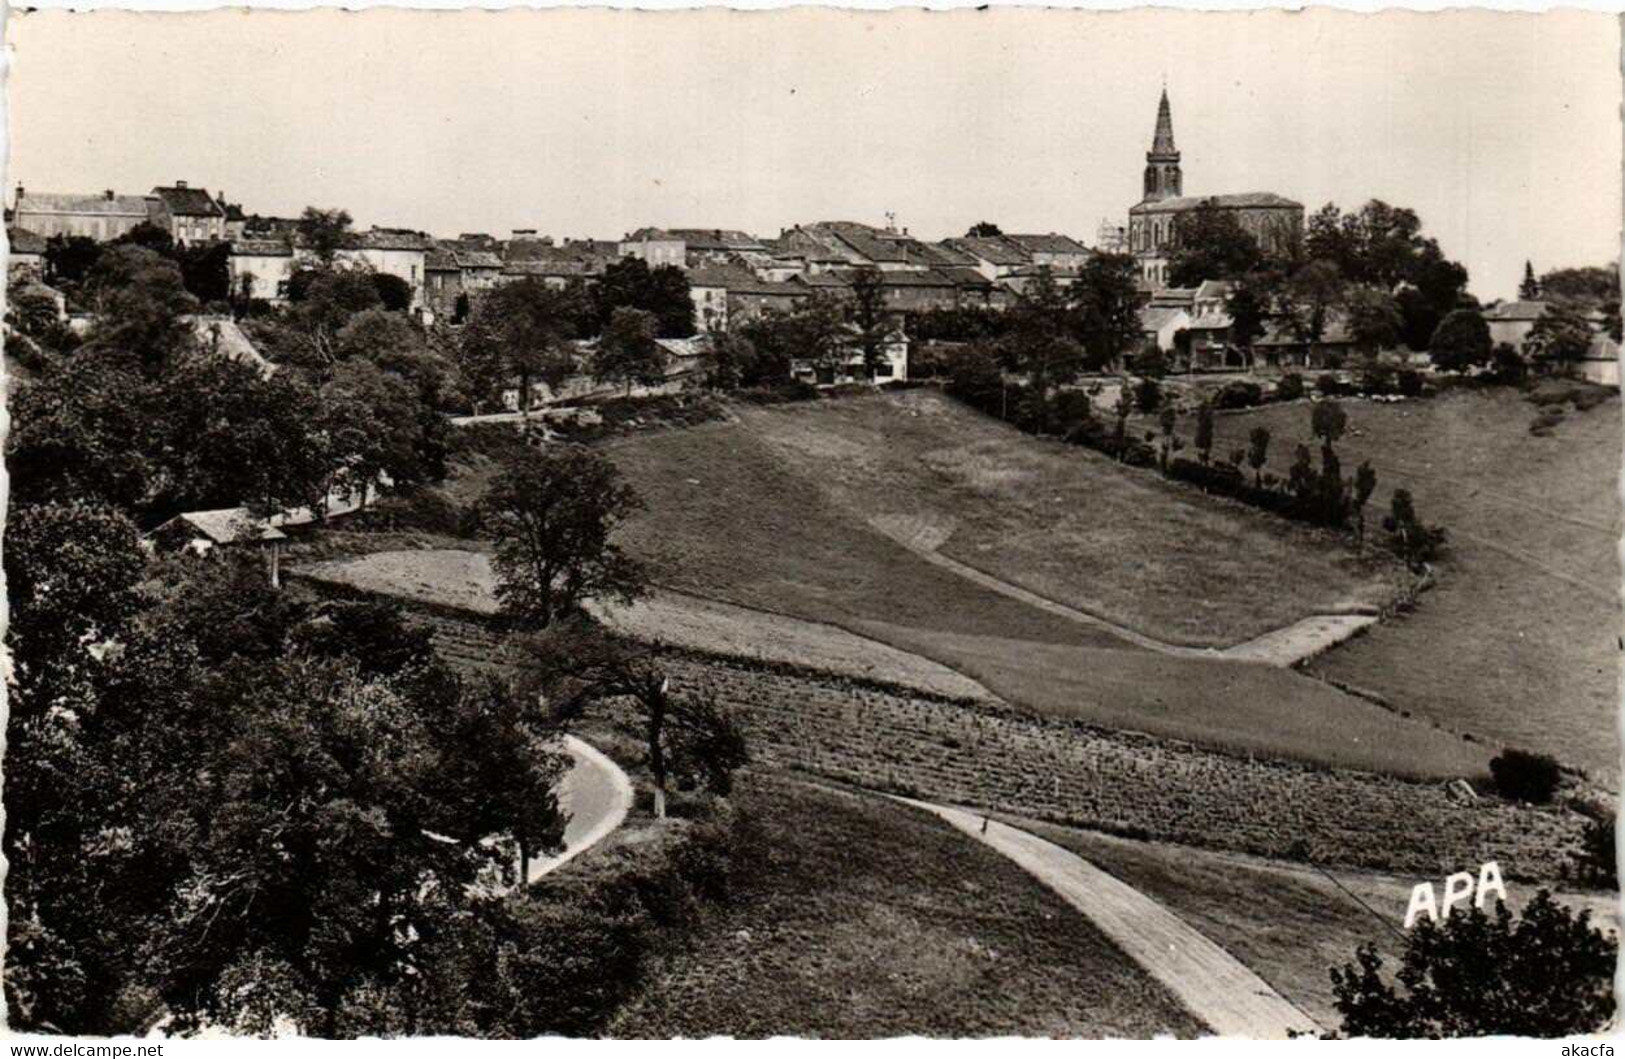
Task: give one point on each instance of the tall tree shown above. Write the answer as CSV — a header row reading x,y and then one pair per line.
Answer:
x,y
1374,319
553,514
1210,244
627,352
1312,292
984,230
1040,343
1461,342
141,307
323,232
524,332
1549,973
1249,303
631,284
1559,340
1106,306
869,317
1529,289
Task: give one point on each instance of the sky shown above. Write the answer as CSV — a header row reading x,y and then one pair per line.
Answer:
x,y
1501,130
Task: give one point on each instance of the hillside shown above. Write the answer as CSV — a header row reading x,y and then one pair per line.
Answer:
x,y
856,917
1519,641
777,511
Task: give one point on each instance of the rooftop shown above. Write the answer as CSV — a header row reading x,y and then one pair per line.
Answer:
x,y
103,204
184,201
1243,200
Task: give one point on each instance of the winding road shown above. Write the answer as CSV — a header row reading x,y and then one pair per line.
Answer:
x,y
1215,986
597,796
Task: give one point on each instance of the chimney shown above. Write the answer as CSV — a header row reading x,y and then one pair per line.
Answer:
x,y
181,184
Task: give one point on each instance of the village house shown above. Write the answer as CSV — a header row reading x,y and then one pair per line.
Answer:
x,y
891,367
454,275
261,268
752,299
102,217
655,248
201,532
1056,251
1160,324
25,254
994,258
396,252
190,215
708,288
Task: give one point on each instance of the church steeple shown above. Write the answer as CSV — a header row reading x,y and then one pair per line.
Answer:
x,y
1162,176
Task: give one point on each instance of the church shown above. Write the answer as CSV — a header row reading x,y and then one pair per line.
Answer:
x,y
1276,222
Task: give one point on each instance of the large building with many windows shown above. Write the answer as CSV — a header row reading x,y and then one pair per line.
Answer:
x,y
1275,221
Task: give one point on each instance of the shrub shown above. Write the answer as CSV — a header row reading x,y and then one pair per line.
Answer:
x,y
1525,776
1409,382
1290,388
1239,394
1596,862
1329,385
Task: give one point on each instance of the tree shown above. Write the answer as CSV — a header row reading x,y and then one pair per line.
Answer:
x,y
1040,343
1529,289
1248,304
1204,432
141,306
688,738
1461,342
1365,483
974,375
813,334
631,284
1150,362
984,230
394,293
1525,776
324,232
730,358
627,352
1258,453
1596,862
524,332
69,259
1106,305
1507,364
1549,973
1209,243
869,317
1590,289
1413,540
1374,319
553,514
1558,340
1167,419
1311,293
1147,396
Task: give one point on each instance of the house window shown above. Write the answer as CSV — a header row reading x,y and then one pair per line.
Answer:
x,y
883,370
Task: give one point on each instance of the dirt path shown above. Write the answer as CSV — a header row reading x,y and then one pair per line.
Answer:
x,y
1214,985
596,794
1282,647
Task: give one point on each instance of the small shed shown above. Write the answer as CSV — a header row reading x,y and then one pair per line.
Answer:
x,y
201,532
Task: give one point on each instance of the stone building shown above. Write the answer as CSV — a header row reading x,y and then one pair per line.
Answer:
x,y
1275,221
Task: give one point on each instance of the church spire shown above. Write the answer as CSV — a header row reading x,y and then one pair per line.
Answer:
x,y
1162,176
1163,144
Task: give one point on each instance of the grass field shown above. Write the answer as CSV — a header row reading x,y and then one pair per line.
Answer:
x,y
1289,923
1519,641
861,918
733,515
1066,524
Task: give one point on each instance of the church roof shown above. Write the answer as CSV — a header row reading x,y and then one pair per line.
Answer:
x,y
1244,200
1163,143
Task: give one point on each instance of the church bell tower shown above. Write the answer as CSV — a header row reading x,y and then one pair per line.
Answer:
x,y
1162,176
